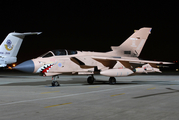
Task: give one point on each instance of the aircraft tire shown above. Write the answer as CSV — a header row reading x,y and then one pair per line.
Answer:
x,y
112,80
90,80
55,83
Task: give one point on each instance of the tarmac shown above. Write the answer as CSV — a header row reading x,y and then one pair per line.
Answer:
x,y
144,97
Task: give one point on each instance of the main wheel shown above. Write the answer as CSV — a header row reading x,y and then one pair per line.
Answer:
x,y
90,80
112,80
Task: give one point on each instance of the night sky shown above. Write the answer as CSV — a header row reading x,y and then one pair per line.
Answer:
x,y
91,25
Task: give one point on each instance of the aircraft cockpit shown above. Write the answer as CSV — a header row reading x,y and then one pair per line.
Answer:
x,y
59,52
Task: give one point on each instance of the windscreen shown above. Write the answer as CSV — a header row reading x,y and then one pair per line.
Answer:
x,y
48,54
59,52
72,52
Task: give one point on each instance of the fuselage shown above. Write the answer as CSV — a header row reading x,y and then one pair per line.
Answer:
x,y
67,61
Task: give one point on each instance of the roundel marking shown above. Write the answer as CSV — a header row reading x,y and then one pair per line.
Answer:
x,y
59,64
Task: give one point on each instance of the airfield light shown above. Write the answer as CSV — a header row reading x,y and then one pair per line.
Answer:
x,y
175,61
10,67
13,65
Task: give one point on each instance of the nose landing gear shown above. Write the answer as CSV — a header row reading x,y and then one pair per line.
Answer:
x,y
54,81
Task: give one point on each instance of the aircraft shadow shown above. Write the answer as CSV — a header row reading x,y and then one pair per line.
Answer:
x,y
150,95
83,81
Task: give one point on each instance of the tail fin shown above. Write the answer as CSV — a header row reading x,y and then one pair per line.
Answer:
x,y
132,47
10,46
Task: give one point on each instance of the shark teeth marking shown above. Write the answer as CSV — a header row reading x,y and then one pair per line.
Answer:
x,y
45,68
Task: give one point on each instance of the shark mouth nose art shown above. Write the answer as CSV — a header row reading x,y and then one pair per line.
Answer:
x,y
45,68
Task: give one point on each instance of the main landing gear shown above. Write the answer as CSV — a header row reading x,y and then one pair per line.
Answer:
x,y
112,80
54,81
91,79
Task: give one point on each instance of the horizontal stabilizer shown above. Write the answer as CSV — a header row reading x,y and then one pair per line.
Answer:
x,y
32,33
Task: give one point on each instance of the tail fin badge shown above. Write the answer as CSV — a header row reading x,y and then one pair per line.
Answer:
x,y
8,45
133,41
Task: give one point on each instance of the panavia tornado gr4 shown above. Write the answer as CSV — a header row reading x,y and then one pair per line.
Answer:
x,y
118,62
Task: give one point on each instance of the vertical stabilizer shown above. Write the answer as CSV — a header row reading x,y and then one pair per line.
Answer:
x,y
10,46
132,47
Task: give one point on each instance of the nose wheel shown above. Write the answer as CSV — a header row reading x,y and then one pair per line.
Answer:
x,y
54,81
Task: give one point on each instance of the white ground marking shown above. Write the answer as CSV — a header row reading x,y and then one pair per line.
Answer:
x,y
70,95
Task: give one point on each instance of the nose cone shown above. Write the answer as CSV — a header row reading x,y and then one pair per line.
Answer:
x,y
27,66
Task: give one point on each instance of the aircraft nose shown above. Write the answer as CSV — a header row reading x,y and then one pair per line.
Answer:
x,y
27,66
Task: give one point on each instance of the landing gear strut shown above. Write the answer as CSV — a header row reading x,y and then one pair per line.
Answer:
x,y
112,80
54,82
91,79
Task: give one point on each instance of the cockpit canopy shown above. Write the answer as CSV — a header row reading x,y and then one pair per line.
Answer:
x,y
59,52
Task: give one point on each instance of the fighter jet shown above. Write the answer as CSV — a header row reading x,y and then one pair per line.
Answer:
x,y
115,63
10,47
